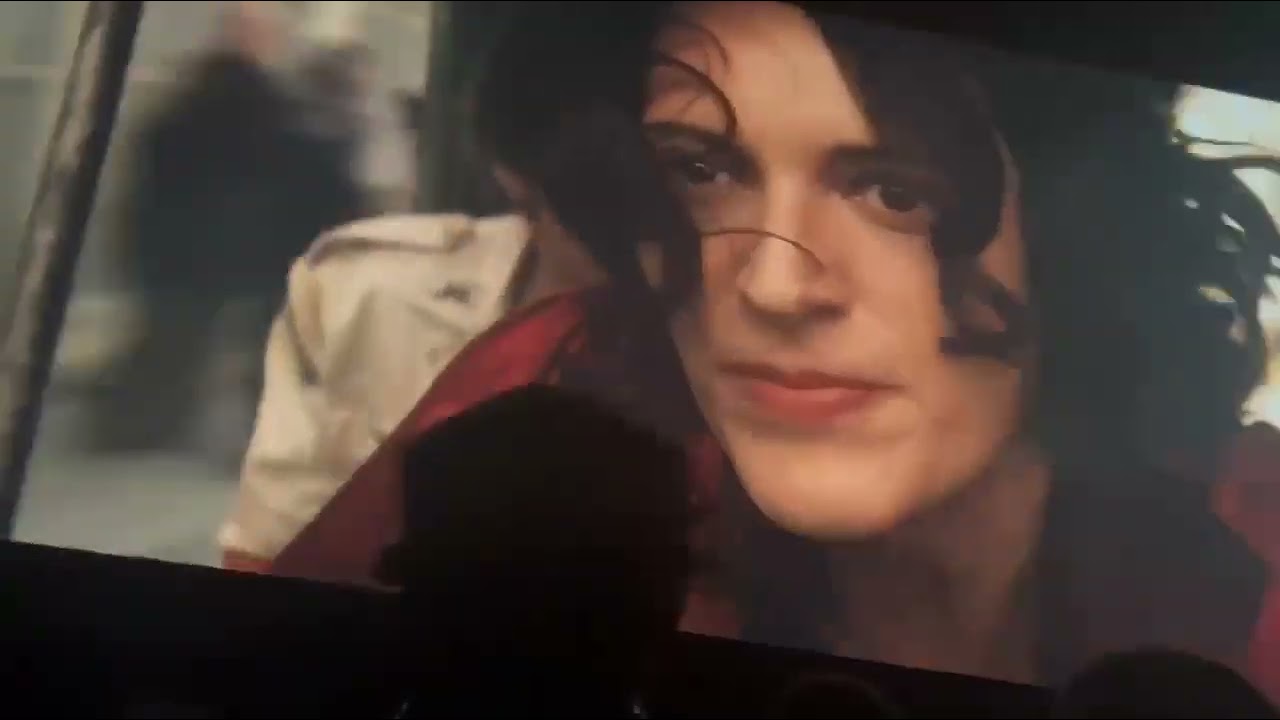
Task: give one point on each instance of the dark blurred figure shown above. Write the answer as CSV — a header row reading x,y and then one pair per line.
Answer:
x,y
343,101
232,183
544,560
833,696
1160,684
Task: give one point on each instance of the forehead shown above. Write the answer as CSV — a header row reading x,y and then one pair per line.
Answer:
x,y
770,62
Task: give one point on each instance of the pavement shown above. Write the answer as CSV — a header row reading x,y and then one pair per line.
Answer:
x,y
161,505
164,504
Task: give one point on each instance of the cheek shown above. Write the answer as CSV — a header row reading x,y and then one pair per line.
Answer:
x,y
722,260
902,306
1005,259
709,318
951,424
977,413
980,401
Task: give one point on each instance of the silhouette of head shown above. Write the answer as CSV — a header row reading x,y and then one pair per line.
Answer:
x,y
169,711
833,696
545,542
1160,684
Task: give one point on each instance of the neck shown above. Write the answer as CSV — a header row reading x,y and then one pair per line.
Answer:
x,y
554,264
949,590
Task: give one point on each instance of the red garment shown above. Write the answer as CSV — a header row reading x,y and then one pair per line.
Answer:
x,y
346,540
1248,499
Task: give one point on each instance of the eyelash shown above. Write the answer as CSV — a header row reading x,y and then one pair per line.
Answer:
x,y
886,179
681,161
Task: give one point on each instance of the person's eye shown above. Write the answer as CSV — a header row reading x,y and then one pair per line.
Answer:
x,y
897,204
897,198
694,171
716,181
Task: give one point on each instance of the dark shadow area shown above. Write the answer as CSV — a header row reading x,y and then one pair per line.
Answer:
x,y
833,696
1160,684
90,631
546,550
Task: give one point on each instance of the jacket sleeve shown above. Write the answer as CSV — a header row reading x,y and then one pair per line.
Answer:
x,y
285,478
346,360
346,540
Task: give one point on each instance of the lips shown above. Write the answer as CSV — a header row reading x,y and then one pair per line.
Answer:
x,y
801,397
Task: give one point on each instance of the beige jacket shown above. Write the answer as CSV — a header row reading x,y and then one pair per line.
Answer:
x,y
374,311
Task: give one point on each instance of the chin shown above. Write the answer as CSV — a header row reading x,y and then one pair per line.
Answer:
x,y
828,499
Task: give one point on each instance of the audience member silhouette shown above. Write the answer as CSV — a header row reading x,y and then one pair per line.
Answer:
x,y
167,710
1160,684
544,559
829,695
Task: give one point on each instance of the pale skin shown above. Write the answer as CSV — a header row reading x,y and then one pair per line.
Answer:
x,y
250,28
925,499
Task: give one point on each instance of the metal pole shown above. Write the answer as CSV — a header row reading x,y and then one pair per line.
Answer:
x,y
54,232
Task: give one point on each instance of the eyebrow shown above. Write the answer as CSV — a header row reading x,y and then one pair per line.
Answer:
x,y
674,130
851,153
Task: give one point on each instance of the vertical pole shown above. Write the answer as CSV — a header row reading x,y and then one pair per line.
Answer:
x,y
54,232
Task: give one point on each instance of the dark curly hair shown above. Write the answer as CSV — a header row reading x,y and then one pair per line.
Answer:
x,y
1146,263
1118,343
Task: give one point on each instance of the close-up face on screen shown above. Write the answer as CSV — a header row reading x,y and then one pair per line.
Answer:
x,y
970,357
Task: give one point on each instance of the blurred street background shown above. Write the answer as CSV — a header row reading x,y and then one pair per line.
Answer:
x,y
163,504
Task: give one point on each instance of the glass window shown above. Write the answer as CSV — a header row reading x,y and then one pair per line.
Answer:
x,y
156,384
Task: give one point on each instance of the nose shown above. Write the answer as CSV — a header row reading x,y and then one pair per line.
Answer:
x,y
785,276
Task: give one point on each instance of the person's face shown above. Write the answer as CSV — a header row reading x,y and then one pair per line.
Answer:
x,y
814,349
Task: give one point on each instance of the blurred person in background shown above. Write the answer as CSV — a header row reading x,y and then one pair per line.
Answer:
x,y
232,183
374,311
342,99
